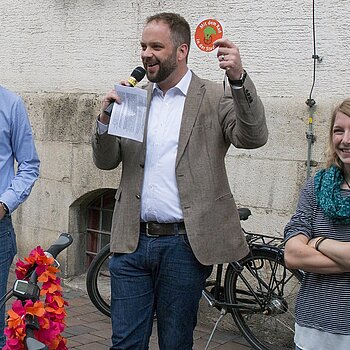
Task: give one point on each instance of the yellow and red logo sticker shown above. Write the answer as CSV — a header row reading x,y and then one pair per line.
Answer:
x,y
206,33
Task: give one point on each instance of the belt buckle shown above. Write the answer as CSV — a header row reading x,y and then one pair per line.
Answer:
x,y
150,234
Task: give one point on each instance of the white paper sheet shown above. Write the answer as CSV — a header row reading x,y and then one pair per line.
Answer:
x,y
128,118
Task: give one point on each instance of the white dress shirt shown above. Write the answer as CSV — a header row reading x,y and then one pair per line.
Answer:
x,y
160,196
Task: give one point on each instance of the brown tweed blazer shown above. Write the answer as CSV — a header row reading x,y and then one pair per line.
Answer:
x,y
212,120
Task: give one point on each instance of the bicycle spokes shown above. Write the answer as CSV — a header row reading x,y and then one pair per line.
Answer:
x,y
265,292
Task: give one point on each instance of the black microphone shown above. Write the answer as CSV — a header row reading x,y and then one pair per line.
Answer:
x,y
135,77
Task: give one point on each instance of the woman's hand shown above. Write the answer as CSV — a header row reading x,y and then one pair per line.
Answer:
x,y
333,249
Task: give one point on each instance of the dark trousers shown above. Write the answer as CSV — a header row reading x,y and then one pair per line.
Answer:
x,y
7,253
161,276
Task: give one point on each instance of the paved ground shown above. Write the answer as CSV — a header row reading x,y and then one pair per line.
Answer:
x,y
88,329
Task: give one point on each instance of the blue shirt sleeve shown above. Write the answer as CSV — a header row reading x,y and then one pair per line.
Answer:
x,y
18,144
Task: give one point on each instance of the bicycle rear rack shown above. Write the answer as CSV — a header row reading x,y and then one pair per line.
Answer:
x,y
265,240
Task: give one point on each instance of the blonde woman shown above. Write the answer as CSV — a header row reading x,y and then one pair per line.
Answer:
x,y
318,242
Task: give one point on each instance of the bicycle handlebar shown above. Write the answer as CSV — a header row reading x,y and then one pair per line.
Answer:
x,y
63,241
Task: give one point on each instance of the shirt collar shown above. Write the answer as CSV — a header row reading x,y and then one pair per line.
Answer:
x,y
182,85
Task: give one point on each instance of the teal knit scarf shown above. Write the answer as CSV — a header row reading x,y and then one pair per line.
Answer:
x,y
328,195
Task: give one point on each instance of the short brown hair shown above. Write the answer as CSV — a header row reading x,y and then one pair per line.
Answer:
x,y
332,157
179,27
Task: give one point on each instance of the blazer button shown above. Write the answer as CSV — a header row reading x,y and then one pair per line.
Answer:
x,y
138,196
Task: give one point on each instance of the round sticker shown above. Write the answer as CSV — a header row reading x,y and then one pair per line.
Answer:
x,y
206,33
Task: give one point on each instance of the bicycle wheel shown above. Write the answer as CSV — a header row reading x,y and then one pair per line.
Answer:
x,y
98,281
265,291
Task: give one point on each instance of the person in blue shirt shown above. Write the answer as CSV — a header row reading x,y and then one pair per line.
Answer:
x,y
16,145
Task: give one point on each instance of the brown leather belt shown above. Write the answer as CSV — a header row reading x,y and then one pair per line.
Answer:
x,y
156,229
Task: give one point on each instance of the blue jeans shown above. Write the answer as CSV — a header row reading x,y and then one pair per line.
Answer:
x,y
161,276
7,253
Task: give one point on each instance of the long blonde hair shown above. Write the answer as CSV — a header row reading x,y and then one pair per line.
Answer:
x,y
331,156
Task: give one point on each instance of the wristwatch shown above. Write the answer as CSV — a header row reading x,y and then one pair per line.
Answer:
x,y
4,207
240,81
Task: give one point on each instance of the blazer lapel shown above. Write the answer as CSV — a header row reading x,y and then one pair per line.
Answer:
x,y
193,101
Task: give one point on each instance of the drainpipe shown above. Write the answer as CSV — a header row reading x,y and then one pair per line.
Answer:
x,y
310,102
310,136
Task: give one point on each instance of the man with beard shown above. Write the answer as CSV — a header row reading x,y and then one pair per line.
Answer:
x,y
175,215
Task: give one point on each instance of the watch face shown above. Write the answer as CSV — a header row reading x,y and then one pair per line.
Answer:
x,y
240,81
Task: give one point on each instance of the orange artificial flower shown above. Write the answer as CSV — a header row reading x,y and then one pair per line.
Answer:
x,y
50,313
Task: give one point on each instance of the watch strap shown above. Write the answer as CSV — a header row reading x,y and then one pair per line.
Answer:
x,y
239,82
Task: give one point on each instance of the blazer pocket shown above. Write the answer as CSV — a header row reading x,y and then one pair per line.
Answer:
x,y
225,196
207,124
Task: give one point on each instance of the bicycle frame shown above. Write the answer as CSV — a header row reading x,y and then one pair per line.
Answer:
x,y
256,293
255,241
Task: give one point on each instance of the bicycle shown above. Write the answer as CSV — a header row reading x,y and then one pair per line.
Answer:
x,y
28,289
258,291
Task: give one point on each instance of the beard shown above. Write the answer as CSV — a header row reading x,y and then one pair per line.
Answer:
x,y
165,69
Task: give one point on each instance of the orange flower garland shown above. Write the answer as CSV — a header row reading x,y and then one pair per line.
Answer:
x,y
50,314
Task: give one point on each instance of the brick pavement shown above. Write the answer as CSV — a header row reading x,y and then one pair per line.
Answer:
x,y
88,329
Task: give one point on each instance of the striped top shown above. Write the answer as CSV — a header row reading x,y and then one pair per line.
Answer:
x,y
323,301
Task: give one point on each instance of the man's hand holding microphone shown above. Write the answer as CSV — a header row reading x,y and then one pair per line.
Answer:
x,y
107,104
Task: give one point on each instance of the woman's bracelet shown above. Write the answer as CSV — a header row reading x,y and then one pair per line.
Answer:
x,y
317,244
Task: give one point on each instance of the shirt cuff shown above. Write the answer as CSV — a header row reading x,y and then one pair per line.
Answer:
x,y
235,87
101,128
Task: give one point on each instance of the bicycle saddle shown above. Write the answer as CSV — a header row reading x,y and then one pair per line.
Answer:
x,y
244,213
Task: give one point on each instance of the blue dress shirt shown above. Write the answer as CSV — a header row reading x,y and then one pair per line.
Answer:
x,y
16,144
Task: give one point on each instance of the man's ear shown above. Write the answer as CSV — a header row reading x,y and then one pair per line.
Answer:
x,y
182,52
